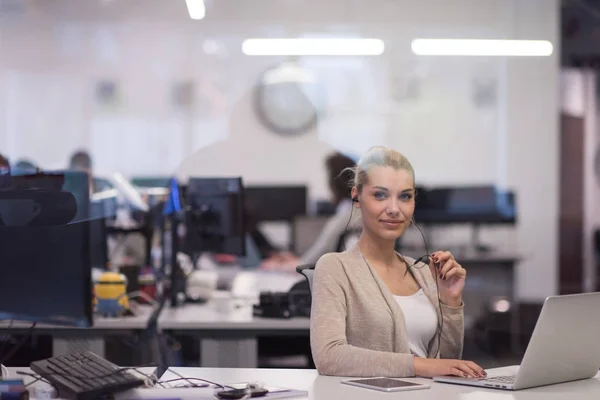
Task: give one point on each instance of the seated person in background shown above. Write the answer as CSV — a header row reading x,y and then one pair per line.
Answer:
x,y
4,172
338,168
26,167
82,161
375,313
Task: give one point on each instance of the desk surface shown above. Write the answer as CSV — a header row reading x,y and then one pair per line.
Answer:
x,y
138,322
327,388
207,317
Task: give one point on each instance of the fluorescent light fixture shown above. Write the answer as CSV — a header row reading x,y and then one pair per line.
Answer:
x,y
313,47
481,47
288,72
196,8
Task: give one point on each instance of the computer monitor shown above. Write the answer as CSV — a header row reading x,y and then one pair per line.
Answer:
x,y
276,203
98,236
467,204
78,183
46,269
56,198
214,216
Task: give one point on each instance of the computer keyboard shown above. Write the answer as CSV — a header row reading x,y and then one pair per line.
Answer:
x,y
83,376
501,379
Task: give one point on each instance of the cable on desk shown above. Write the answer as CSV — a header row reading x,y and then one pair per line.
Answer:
x,y
189,380
181,377
3,358
37,378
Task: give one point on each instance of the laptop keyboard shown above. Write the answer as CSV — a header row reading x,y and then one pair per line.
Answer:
x,y
501,379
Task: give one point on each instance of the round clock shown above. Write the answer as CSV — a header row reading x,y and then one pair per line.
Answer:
x,y
285,99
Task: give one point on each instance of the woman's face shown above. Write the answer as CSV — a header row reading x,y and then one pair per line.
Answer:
x,y
387,202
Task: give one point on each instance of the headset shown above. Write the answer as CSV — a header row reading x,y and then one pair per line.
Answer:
x,y
424,260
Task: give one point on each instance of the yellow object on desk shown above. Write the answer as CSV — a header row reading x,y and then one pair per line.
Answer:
x,y
111,294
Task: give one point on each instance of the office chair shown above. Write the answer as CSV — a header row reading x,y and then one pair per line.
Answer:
x,y
273,348
348,239
307,271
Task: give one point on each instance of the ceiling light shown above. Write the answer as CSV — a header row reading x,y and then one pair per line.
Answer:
x,y
196,8
313,47
481,47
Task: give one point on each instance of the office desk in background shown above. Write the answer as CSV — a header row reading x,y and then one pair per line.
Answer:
x,y
227,339
66,339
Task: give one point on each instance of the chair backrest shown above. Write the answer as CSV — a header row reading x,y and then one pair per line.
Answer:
x,y
307,270
348,239
304,232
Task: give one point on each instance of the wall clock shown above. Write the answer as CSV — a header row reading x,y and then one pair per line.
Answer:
x,y
285,99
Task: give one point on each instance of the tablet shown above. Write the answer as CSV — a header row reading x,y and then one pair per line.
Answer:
x,y
386,384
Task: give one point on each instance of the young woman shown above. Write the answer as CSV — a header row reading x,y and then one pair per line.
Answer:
x,y
374,313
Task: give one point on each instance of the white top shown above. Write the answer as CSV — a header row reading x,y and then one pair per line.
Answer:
x,y
421,321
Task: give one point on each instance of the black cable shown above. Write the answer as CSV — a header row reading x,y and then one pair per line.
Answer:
x,y
189,380
343,244
18,345
37,378
426,259
181,377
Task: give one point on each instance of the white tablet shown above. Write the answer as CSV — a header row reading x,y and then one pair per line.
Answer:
x,y
386,384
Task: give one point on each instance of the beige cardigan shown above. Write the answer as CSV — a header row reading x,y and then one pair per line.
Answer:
x,y
356,326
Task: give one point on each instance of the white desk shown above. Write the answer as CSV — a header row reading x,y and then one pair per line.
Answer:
x,y
66,339
227,339
327,388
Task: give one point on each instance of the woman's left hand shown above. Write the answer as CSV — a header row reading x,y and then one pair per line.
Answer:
x,y
451,277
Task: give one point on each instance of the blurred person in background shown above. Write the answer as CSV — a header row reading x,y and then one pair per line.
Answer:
x,y
24,167
338,167
4,172
81,161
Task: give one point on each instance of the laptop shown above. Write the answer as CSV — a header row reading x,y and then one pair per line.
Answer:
x,y
564,346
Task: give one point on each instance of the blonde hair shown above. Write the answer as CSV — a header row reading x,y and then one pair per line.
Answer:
x,y
379,156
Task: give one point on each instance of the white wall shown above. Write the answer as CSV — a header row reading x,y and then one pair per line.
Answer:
x,y
427,107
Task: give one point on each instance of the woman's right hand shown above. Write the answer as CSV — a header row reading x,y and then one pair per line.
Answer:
x,y
430,367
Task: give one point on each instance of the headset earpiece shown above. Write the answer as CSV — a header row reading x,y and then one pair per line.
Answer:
x,y
355,199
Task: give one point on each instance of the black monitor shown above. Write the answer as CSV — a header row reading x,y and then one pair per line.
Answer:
x,y
467,204
98,236
214,216
46,268
78,183
276,203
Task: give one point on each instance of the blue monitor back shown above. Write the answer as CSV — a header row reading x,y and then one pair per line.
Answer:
x,y
46,274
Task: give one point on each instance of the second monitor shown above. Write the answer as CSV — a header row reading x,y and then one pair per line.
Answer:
x,y
214,216
276,203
